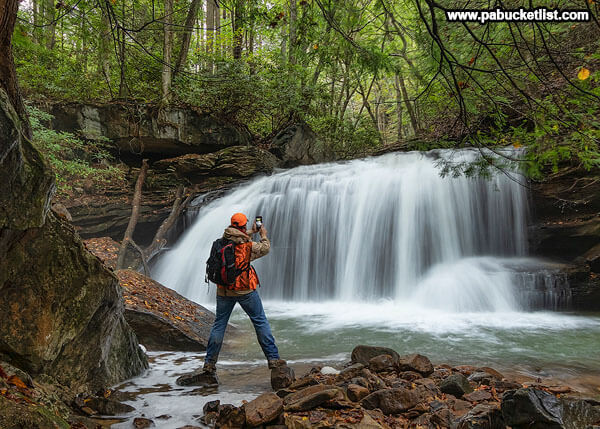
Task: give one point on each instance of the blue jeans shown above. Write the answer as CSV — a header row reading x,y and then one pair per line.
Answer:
x,y
252,305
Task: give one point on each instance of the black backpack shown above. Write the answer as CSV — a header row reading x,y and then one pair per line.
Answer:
x,y
220,266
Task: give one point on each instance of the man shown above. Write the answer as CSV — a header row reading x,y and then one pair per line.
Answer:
x,y
243,291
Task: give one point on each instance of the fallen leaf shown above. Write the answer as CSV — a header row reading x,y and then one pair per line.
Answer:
x,y
16,381
583,73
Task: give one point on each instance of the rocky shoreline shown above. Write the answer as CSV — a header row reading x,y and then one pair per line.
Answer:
x,y
379,388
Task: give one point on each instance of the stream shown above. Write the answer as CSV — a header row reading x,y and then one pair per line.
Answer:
x,y
380,251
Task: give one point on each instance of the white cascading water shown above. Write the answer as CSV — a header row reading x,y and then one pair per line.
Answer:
x,y
380,228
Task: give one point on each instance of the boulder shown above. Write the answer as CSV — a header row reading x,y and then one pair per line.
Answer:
x,y
416,362
483,416
350,372
363,354
478,396
356,393
391,401
236,161
230,417
161,318
264,409
456,385
311,397
299,145
381,363
531,408
62,310
138,128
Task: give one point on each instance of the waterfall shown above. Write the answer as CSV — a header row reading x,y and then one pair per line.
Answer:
x,y
388,227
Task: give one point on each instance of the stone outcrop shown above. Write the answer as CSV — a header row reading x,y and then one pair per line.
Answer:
x,y
236,162
566,227
299,145
146,129
61,309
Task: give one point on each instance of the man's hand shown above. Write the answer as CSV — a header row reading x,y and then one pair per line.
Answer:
x,y
263,232
253,230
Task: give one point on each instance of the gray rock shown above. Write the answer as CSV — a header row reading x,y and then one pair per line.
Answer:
x,y
532,408
483,416
143,128
299,145
456,384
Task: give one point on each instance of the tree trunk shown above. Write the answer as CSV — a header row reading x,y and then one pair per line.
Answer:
x,y
167,48
398,107
293,32
50,23
238,32
210,32
105,39
409,107
8,76
135,213
186,38
121,38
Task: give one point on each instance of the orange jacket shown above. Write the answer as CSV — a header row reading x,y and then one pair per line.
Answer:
x,y
246,251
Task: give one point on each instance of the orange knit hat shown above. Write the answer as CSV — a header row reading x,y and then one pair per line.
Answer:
x,y
239,220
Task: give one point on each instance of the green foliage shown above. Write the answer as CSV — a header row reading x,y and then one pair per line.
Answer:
x,y
73,160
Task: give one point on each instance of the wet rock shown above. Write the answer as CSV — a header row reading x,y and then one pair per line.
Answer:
x,y
264,409
307,380
410,375
311,397
230,417
484,377
374,381
282,377
361,381
142,423
415,362
483,416
477,396
351,371
363,354
531,408
579,413
504,385
459,406
211,406
356,393
456,384
428,384
391,401
282,393
381,363
442,418
108,407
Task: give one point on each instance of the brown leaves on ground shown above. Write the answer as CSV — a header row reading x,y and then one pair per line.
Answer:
x,y
105,248
141,293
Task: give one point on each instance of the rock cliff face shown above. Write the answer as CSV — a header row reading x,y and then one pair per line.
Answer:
x,y
61,310
148,129
566,227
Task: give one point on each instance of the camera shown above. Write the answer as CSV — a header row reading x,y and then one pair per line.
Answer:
x,y
259,222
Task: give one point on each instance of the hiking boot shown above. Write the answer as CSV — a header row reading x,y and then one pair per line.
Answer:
x,y
276,363
207,377
281,374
